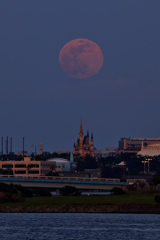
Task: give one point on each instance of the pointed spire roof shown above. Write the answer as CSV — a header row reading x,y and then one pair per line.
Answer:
x,y
87,133
92,135
81,129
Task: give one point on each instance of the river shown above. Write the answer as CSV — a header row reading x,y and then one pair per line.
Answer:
x,y
76,226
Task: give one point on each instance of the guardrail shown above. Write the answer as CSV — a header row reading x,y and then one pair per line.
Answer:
x,y
77,179
136,180
62,178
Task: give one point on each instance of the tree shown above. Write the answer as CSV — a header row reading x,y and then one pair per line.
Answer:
x,y
157,198
52,168
69,191
118,191
156,180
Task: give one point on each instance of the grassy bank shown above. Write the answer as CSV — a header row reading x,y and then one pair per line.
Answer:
x,y
127,199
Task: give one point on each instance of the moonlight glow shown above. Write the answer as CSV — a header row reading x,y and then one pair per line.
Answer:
x,y
81,58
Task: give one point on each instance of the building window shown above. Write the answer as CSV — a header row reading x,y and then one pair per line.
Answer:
x,y
33,172
20,172
7,166
33,165
20,166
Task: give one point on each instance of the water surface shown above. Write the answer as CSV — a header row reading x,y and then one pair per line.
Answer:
x,y
78,226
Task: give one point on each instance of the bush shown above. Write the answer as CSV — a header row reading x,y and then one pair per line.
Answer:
x,y
69,191
15,189
8,197
42,193
118,191
24,191
157,198
156,180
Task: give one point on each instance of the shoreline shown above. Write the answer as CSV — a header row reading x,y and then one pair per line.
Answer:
x,y
150,209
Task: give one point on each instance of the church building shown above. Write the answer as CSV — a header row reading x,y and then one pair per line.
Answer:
x,y
83,147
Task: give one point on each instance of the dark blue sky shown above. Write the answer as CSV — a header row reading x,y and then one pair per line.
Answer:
x,y
40,102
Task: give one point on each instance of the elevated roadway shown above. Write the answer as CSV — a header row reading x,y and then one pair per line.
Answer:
x,y
59,182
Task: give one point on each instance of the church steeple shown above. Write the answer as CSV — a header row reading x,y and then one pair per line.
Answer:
x,y
84,146
81,129
88,133
92,145
81,138
92,135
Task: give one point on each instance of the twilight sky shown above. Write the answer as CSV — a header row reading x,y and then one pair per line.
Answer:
x,y
40,102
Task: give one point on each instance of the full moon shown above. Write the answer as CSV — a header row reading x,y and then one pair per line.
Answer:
x,y
81,58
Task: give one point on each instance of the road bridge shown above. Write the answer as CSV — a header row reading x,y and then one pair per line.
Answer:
x,y
59,182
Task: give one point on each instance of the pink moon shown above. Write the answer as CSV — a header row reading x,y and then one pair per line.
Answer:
x,y
81,58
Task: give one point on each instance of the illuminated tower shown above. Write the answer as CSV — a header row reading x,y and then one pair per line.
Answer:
x,y
81,138
92,146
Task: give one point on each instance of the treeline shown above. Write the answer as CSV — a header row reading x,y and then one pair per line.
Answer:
x,y
42,157
109,166
17,193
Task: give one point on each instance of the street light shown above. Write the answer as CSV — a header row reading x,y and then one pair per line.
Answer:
x,y
146,161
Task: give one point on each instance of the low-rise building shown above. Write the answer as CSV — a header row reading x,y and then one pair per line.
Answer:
x,y
62,151
150,150
110,151
133,145
62,165
27,167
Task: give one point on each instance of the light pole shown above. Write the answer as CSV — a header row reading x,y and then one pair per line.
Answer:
x,y
146,161
149,159
144,166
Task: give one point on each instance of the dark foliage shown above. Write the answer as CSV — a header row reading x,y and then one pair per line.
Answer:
x,y
15,189
109,172
118,191
8,188
69,191
24,192
8,197
156,180
5,157
157,198
44,157
87,162
42,193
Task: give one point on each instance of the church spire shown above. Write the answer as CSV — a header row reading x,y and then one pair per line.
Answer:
x,y
92,145
92,135
87,133
81,138
81,129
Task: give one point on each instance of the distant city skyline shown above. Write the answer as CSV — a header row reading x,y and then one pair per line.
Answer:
x,y
40,102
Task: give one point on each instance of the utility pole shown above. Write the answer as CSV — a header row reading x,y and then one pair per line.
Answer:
x,y
2,145
23,148
10,144
7,146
